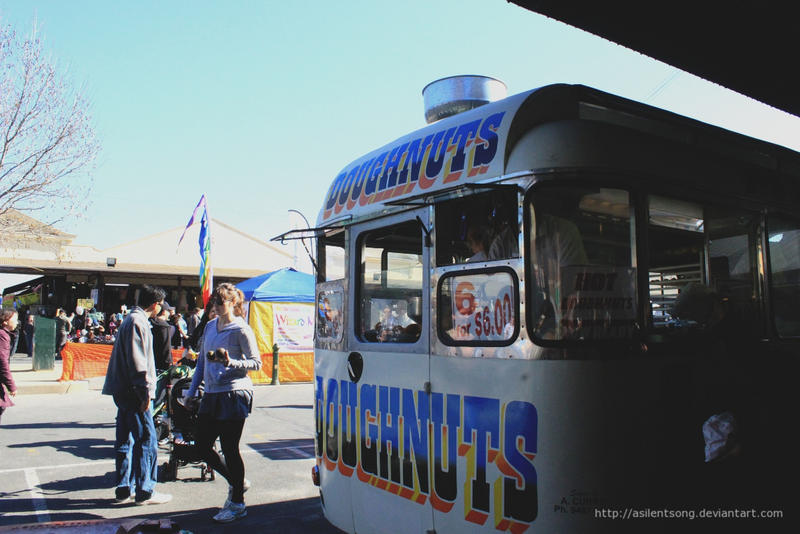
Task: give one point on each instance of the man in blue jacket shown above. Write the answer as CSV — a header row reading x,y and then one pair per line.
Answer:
x,y
131,380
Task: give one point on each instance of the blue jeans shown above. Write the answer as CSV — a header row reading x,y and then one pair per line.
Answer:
x,y
136,448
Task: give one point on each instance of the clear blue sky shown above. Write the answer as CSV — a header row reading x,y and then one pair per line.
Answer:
x,y
258,104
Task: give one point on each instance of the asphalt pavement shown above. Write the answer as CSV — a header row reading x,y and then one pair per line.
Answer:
x,y
57,469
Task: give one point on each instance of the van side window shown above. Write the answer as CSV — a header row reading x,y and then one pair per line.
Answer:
x,y
702,254
329,315
482,227
582,264
784,267
330,257
389,293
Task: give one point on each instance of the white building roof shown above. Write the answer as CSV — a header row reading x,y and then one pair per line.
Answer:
x,y
31,246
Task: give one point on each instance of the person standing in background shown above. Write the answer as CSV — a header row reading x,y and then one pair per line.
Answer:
x,y
197,335
29,328
179,335
191,324
161,344
63,328
8,389
79,319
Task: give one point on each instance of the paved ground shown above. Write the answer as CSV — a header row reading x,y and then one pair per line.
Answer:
x,y
56,465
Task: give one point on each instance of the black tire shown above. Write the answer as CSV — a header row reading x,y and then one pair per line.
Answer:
x,y
172,470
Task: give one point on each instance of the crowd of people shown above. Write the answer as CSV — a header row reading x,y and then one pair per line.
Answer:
x,y
91,326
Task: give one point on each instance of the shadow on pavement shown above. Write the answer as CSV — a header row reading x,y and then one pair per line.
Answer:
x,y
88,448
56,425
298,406
59,508
285,449
302,516
77,483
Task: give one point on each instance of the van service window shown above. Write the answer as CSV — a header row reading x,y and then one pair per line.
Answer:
x,y
582,263
389,293
481,227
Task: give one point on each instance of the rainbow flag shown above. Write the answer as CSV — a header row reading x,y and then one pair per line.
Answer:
x,y
206,275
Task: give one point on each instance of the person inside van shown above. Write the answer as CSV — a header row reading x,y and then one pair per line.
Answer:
x,y
478,242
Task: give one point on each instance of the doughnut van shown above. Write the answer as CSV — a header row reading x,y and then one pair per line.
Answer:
x,y
557,311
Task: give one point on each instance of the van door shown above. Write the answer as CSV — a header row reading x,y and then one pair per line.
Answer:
x,y
331,389
388,368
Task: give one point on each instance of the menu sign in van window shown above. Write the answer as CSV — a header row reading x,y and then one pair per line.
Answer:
x,y
597,302
478,308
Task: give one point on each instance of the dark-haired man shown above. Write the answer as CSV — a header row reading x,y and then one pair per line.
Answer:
x,y
131,379
161,329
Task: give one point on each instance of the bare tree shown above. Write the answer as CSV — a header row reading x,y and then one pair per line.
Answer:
x,y
47,142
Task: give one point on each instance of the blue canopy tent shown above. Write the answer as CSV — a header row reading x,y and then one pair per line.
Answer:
x,y
283,285
281,312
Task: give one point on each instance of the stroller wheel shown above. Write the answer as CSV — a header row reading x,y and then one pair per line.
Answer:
x,y
172,469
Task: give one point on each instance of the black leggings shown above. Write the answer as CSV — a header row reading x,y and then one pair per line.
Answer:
x,y
231,466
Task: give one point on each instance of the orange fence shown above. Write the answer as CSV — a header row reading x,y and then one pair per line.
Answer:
x,y
292,367
81,361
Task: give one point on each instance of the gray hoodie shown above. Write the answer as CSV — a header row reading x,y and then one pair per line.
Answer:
x,y
238,338
132,366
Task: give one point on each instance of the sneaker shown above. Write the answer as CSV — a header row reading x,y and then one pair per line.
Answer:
x,y
231,513
155,498
229,500
123,496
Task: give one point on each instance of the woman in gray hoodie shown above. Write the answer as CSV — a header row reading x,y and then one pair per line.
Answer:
x,y
228,350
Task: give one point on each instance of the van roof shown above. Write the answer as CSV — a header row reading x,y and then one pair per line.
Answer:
x,y
473,146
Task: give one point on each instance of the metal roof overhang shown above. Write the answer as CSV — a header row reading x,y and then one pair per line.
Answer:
x,y
746,47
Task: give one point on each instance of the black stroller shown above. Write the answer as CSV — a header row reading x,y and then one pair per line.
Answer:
x,y
183,420
175,423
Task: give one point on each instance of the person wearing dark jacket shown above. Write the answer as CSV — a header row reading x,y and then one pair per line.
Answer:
x,y
197,335
161,343
63,328
8,324
193,320
29,328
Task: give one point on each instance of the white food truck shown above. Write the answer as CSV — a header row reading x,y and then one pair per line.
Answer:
x,y
529,308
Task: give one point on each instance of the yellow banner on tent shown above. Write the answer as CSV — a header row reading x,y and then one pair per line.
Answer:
x,y
291,325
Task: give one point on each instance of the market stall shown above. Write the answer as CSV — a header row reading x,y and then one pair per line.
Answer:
x,y
281,311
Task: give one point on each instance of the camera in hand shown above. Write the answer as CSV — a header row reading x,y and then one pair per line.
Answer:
x,y
216,355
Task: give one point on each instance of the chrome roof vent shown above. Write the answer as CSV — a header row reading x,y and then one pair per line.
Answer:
x,y
455,94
